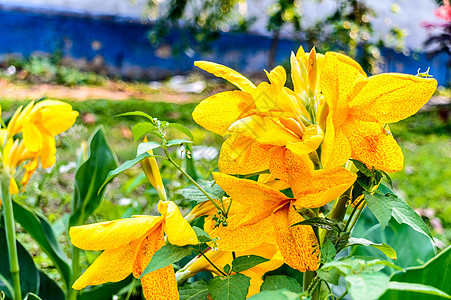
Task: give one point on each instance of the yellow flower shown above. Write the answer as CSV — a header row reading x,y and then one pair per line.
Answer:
x,y
40,123
221,258
129,245
150,168
360,106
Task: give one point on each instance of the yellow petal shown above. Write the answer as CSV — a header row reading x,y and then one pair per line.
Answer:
x,y
159,284
271,181
32,137
228,74
217,112
48,151
270,97
373,145
335,149
57,119
338,78
112,265
254,201
112,234
243,155
389,98
177,229
313,137
264,130
298,244
13,188
277,76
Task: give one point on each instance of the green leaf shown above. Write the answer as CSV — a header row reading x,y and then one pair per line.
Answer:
x,y
328,252
41,231
386,249
282,294
227,268
136,113
390,182
436,273
31,296
125,166
192,193
234,287
418,288
144,147
105,291
278,282
202,236
412,249
367,286
165,256
180,128
243,263
49,289
380,206
323,223
29,275
197,290
362,168
90,178
177,142
140,129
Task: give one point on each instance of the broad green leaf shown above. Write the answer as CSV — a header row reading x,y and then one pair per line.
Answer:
x,y
362,168
49,289
380,206
367,286
32,296
279,282
227,268
6,288
323,223
140,129
41,231
90,178
328,252
234,287
202,236
192,193
403,213
243,263
412,248
282,294
435,273
180,128
105,291
29,275
144,147
417,288
386,249
165,256
126,165
136,113
177,142
197,290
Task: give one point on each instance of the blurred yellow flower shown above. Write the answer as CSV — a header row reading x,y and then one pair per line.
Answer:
x,y
129,245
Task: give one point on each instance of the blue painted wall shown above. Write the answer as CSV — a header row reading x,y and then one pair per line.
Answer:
x,y
126,50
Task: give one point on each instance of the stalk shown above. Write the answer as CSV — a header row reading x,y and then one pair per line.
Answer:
x,y
72,294
11,235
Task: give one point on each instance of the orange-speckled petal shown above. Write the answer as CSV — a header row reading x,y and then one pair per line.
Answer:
x,y
228,74
389,98
277,163
298,244
236,237
313,137
112,234
338,79
264,130
177,229
373,145
217,112
336,149
255,201
160,284
112,265
243,155
271,181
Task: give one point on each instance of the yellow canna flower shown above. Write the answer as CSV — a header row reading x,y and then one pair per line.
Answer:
x,y
129,245
359,108
221,258
40,123
150,168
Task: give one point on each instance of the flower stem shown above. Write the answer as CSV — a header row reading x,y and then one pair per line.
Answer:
x,y
211,263
192,180
11,236
72,294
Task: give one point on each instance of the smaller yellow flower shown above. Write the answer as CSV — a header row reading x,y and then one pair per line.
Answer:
x,y
129,245
150,168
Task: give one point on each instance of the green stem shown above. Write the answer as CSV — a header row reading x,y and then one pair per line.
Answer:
x,y
72,294
11,236
342,296
192,180
211,263
339,210
357,207
308,277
